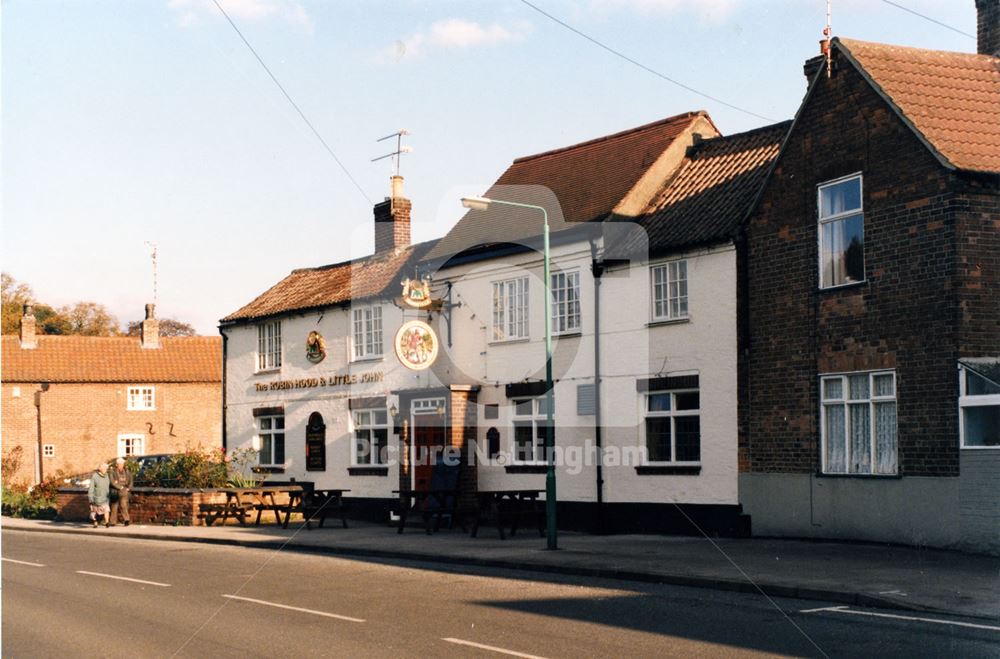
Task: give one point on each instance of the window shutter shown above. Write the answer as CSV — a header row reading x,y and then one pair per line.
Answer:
x,y
585,399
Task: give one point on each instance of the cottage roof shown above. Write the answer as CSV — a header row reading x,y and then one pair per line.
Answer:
x,y
952,100
711,193
330,285
112,359
580,183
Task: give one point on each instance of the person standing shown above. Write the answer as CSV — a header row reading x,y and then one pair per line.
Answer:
x,y
121,487
98,493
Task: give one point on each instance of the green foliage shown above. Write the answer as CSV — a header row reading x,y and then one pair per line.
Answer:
x,y
36,502
197,468
168,327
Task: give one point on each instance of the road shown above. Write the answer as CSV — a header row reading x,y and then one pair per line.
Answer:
x,y
118,597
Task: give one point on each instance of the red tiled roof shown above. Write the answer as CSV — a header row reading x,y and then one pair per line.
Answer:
x,y
951,99
112,359
713,189
329,285
588,181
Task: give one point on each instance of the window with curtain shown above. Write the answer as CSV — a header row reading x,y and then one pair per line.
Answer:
x,y
858,423
669,283
673,427
269,346
510,309
841,232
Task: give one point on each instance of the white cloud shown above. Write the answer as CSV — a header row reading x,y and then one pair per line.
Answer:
x,y
455,33
193,12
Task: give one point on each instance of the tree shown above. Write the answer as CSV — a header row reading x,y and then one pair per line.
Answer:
x,y
168,327
90,319
14,296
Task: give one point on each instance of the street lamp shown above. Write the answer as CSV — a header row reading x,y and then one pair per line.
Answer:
x,y
481,204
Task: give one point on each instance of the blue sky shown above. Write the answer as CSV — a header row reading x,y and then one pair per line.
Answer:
x,y
149,120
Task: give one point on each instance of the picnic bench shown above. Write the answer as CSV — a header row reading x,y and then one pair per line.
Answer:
x,y
436,502
316,505
237,505
509,508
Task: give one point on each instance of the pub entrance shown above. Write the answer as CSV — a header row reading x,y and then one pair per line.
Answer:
x,y
428,430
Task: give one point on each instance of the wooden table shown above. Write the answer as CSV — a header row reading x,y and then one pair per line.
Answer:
x,y
429,503
237,505
510,506
316,504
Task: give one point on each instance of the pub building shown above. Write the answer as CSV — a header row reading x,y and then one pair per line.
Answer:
x,y
350,375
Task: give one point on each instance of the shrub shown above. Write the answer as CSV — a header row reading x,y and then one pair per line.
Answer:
x,y
36,502
199,468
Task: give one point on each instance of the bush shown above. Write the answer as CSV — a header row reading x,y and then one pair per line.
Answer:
x,y
198,468
36,502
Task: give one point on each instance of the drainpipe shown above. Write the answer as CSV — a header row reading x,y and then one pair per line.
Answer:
x,y
597,269
225,352
39,472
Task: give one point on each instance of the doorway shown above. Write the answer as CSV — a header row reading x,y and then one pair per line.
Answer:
x,y
428,428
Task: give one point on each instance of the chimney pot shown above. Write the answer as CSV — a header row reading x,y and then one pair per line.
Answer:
x,y
28,339
988,27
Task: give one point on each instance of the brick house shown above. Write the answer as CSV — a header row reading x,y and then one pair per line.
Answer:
x,y
76,401
871,342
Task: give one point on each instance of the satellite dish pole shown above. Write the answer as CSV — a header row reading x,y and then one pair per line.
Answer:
x,y
152,254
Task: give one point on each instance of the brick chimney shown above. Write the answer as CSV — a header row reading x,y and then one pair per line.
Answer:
x,y
988,27
28,340
150,332
392,219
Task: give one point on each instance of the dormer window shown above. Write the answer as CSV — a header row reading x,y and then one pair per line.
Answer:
x,y
841,232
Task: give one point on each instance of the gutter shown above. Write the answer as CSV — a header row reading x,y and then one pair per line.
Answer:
x,y
597,269
225,353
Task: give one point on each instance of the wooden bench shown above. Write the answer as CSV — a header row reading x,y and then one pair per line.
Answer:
x,y
316,505
211,512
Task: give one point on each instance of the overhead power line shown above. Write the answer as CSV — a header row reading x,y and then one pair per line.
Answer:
x,y
293,104
643,66
928,18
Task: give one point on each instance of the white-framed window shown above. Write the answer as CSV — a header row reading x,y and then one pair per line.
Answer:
x,y
510,309
129,445
48,450
371,437
141,398
858,423
271,440
670,290
367,332
565,302
979,410
269,346
529,419
841,232
672,428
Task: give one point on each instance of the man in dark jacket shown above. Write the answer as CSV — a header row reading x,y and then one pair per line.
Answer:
x,y
121,487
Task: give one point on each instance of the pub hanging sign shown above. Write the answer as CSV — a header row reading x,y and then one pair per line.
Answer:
x,y
416,345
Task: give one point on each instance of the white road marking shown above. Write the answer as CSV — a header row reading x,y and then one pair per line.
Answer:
x,y
113,576
11,560
892,592
844,609
491,648
294,608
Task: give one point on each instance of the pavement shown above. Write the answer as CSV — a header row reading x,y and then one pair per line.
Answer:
x,y
860,574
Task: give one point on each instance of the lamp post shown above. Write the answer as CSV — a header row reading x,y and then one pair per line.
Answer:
x,y
481,204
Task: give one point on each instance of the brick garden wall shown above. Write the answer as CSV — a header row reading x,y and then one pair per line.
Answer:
x,y
905,316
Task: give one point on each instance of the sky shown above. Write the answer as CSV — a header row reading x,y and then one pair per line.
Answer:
x,y
133,121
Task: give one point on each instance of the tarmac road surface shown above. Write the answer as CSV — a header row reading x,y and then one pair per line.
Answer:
x,y
120,597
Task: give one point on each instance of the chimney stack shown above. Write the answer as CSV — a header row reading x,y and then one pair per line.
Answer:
x,y
150,332
28,340
988,27
392,219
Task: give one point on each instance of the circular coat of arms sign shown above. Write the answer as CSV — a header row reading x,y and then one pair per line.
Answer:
x,y
416,345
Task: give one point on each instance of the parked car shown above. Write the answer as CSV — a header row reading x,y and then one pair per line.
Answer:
x,y
143,462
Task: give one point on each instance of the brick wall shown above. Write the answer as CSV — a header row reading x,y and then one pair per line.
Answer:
x,y
146,505
906,314
83,421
